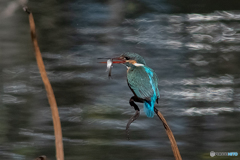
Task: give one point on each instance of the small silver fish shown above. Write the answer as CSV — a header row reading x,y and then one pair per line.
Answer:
x,y
109,67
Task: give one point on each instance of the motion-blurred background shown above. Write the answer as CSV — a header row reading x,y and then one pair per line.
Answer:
x,y
193,46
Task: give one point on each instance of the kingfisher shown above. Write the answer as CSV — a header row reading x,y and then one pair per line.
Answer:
x,y
142,81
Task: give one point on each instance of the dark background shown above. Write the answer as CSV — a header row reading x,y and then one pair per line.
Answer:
x,y
193,46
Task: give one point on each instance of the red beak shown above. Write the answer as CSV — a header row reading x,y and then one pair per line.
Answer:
x,y
114,60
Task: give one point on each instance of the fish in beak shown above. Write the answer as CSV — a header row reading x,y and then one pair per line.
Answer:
x,y
110,62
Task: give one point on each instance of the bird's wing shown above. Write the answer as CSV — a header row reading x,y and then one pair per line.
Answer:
x,y
155,80
139,82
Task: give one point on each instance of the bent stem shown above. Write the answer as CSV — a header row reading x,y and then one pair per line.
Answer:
x,y
170,135
48,87
133,118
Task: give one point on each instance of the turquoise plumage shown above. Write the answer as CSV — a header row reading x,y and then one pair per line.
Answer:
x,y
143,81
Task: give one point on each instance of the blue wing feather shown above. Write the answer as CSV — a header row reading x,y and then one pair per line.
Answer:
x,y
144,83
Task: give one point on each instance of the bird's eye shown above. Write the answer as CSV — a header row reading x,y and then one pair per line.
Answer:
x,y
127,58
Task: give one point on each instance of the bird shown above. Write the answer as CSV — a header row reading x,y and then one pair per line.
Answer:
x,y
142,81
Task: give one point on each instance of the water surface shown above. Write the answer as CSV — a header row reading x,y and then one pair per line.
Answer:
x,y
193,48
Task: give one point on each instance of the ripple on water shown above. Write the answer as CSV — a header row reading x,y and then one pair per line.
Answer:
x,y
221,80
216,16
207,111
206,94
9,99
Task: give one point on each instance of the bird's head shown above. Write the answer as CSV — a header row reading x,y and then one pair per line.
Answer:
x,y
128,59
132,59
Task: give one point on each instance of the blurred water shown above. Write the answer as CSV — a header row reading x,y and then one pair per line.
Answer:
x,y
192,47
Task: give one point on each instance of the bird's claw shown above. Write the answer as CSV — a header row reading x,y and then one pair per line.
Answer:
x,y
133,118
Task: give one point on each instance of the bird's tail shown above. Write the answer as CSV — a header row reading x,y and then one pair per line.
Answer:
x,y
149,108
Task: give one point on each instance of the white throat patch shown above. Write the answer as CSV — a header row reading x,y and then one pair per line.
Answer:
x,y
138,64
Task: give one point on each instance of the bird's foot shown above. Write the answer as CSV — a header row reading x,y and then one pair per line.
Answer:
x,y
133,118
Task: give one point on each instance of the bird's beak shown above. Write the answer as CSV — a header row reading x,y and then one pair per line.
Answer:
x,y
115,60
118,60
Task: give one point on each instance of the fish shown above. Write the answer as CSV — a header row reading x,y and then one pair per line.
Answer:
x,y
109,67
110,64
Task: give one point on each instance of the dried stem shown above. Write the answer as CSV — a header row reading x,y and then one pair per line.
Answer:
x,y
170,135
48,87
